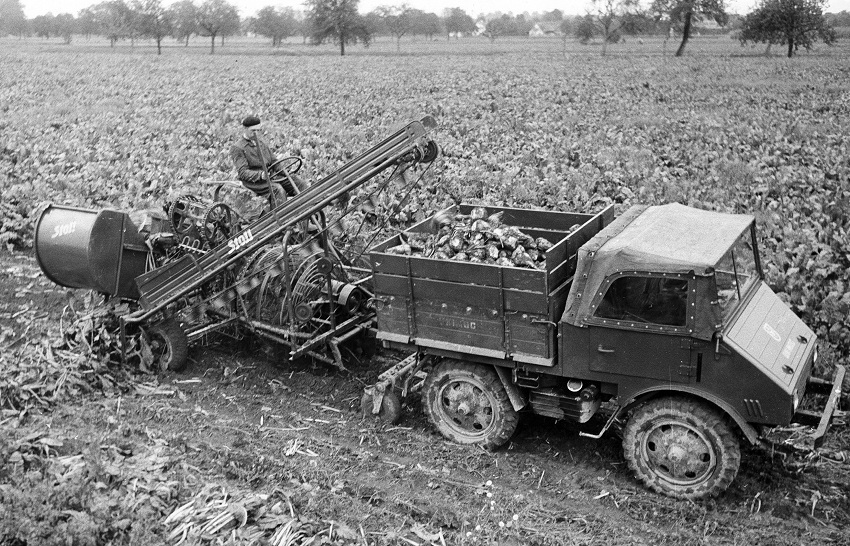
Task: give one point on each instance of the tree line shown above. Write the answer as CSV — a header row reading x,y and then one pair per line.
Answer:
x,y
793,23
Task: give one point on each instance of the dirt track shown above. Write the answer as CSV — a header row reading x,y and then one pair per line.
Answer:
x,y
237,418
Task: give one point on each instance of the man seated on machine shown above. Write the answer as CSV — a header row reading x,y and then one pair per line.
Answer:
x,y
259,170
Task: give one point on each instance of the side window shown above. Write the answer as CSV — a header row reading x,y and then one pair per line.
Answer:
x,y
652,300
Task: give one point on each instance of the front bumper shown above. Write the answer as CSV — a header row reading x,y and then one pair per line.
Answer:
x,y
822,420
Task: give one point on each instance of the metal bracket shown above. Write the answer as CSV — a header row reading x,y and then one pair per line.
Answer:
x,y
399,376
608,424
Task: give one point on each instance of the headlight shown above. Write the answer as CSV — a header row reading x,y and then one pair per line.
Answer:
x,y
796,401
815,360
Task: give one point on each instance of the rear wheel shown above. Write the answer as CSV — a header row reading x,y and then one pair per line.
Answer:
x,y
468,404
169,345
681,448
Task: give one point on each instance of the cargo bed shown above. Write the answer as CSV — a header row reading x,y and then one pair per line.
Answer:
x,y
498,312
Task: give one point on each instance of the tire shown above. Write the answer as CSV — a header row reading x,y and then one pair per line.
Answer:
x,y
170,345
681,448
468,404
390,411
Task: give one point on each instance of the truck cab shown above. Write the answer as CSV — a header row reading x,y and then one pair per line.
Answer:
x,y
670,314
673,298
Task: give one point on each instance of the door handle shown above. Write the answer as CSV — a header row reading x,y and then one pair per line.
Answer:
x,y
602,349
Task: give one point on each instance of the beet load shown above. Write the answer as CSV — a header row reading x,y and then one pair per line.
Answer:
x,y
477,237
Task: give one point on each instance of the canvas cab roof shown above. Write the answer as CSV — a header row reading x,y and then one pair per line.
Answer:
x,y
669,238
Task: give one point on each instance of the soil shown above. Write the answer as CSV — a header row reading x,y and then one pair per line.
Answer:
x,y
246,420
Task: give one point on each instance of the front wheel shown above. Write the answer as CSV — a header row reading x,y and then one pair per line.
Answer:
x,y
468,404
681,448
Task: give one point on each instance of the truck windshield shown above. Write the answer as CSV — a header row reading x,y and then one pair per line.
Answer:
x,y
735,273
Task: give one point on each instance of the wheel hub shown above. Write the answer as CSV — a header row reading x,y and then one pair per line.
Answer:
x,y
678,453
467,406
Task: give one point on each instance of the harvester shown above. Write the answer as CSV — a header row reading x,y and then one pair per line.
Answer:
x,y
198,270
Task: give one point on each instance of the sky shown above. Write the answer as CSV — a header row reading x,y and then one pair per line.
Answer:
x,y
473,7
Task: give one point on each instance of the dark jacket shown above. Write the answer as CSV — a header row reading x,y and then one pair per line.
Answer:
x,y
249,160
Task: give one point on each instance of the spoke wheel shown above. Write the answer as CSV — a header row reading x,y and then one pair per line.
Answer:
x,y
218,223
179,214
468,404
681,448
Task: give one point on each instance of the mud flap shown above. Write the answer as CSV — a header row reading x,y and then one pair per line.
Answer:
x,y
518,401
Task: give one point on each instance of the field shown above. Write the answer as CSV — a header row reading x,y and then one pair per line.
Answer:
x,y
96,453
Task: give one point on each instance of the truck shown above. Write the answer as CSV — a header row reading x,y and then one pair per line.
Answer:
x,y
658,321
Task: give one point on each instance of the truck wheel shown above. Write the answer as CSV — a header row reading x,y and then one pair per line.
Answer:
x,y
681,448
390,411
468,404
170,345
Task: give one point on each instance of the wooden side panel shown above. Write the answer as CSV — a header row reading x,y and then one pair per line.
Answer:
x,y
459,272
472,327
528,337
393,299
465,295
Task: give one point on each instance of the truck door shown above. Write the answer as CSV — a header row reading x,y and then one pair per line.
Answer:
x,y
641,327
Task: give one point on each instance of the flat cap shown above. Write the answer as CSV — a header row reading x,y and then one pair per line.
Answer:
x,y
250,121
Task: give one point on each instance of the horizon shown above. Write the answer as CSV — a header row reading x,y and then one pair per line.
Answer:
x,y
475,8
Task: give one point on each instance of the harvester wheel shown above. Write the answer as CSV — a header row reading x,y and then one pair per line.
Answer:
x,y
681,448
218,223
390,407
170,345
468,404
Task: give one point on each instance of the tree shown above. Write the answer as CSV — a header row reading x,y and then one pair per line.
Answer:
x,y
184,17
424,23
523,26
12,18
457,22
567,27
215,17
65,26
554,16
44,26
87,22
336,20
840,19
504,25
793,23
275,23
685,12
397,20
375,23
585,28
611,17
113,20
232,26
153,20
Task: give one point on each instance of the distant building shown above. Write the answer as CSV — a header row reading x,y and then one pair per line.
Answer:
x,y
546,28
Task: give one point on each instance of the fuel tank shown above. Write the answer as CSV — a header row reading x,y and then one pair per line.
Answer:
x,y
100,250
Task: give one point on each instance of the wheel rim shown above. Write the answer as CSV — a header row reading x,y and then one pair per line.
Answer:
x,y
217,223
466,406
678,453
